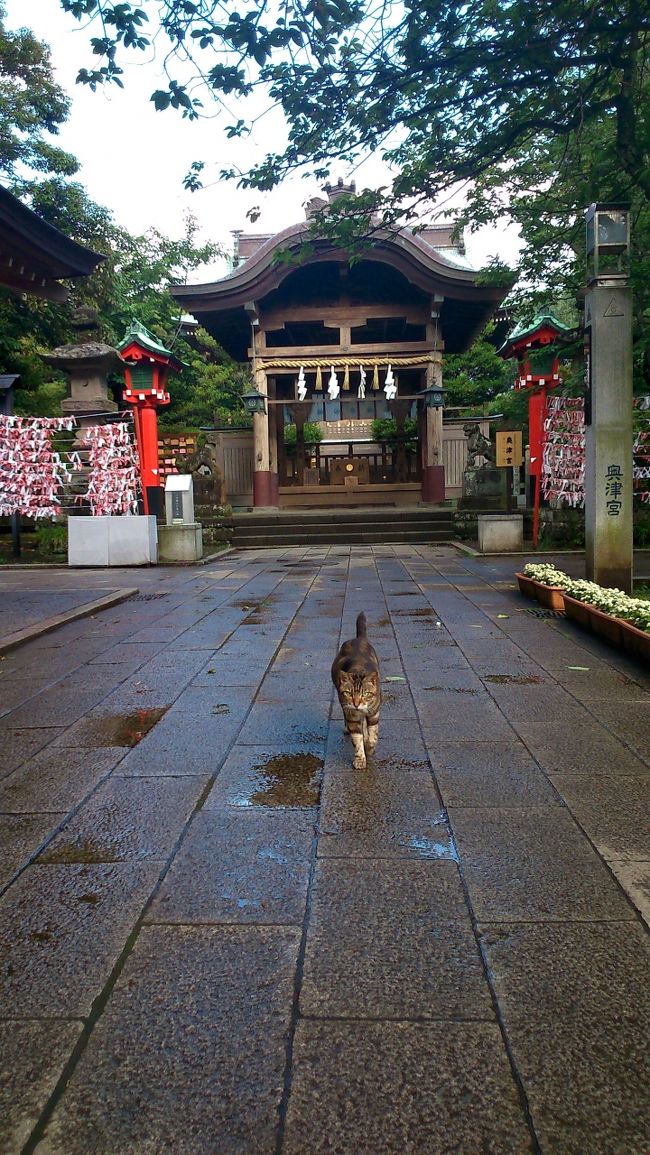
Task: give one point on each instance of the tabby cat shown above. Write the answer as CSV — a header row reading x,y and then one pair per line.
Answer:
x,y
355,673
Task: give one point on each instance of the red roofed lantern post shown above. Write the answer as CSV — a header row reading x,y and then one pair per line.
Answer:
x,y
524,341
148,366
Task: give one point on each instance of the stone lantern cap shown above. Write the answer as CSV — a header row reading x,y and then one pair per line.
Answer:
x,y
80,358
86,366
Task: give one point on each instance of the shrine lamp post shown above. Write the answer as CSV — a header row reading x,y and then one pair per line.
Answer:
x,y
148,366
608,398
538,370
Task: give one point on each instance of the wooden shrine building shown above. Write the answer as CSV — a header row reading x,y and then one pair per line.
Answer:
x,y
344,343
34,256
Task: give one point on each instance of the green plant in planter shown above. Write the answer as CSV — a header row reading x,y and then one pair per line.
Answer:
x,y
313,435
385,429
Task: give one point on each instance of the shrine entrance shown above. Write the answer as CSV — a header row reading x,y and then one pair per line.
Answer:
x,y
354,451
344,344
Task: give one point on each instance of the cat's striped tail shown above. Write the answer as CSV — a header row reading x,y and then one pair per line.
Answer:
x,y
361,626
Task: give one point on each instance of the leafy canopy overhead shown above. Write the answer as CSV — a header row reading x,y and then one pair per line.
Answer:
x,y
447,90
32,107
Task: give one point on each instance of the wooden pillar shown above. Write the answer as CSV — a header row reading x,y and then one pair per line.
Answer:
x,y
433,472
265,483
275,412
300,411
399,408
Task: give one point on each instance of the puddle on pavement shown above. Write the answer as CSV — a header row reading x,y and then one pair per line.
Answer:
x,y
405,764
421,613
514,679
126,729
42,935
451,690
285,780
85,851
428,847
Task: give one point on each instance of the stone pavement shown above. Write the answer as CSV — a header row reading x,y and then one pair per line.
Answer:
x,y
216,938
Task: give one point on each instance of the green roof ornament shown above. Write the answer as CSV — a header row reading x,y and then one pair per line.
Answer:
x,y
542,330
137,333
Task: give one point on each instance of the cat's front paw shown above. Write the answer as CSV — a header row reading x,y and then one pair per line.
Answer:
x,y
359,763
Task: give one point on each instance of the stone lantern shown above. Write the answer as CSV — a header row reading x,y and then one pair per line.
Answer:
x,y
86,366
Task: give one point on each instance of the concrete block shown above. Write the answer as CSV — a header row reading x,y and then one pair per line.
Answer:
x,y
500,532
115,541
87,541
180,543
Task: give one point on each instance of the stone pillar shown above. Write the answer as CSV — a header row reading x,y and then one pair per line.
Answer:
x,y
433,472
608,457
265,483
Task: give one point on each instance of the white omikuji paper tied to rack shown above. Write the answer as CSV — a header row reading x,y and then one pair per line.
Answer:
x,y
333,387
390,388
563,464
362,383
32,474
114,480
641,449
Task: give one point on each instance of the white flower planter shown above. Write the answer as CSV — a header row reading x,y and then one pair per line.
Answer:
x,y
112,541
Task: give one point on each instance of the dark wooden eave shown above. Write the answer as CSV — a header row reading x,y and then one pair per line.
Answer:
x,y
220,306
35,256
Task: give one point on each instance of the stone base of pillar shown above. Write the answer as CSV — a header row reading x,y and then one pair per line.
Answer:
x,y
265,488
433,484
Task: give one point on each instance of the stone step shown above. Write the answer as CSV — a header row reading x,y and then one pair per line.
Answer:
x,y
259,530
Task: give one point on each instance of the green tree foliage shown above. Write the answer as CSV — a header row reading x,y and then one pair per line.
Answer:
x,y
312,435
474,378
133,281
385,429
32,107
447,90
208,391
537,108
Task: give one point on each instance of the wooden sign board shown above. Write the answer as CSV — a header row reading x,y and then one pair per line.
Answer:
x,y
509,448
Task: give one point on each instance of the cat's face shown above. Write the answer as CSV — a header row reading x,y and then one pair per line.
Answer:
x,y
359,690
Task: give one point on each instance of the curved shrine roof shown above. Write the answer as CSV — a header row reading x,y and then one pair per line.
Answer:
x,y
220,306
34,255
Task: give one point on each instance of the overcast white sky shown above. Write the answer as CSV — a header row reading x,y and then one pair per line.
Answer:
x,y
133,158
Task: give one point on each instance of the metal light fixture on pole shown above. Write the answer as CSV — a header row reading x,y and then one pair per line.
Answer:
x,y
608,398
254,401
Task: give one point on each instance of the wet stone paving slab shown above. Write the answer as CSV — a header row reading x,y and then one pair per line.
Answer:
x,y
216,936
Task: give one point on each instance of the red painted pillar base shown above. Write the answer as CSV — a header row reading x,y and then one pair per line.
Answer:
x,y
265,488
433,484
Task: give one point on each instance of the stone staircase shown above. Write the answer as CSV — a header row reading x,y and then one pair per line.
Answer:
x,y
342,527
